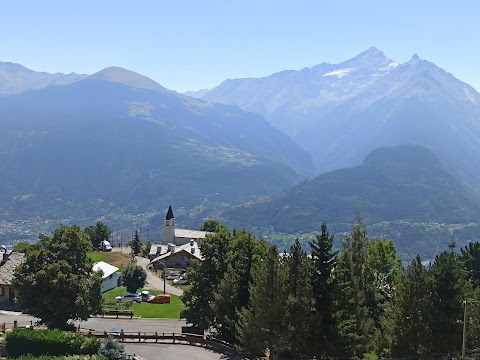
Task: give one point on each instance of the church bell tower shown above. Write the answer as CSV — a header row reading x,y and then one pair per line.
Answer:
x,y
169,227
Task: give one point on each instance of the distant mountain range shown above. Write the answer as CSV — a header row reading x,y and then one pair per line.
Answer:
x,y
117,142
403,193
398,142
15,78
341,112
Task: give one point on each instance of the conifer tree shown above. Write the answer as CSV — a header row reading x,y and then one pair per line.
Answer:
x,y
449,288
412,323
261,325
205,277
324,287
136,244
299,302
355,252
471,260
348,338
233,292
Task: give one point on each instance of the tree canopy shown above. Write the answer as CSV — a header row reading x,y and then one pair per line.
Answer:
x,y
355,303
134,277
55,282
98,233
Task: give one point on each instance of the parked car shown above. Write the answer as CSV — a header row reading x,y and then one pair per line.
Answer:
x,y
160,299
179,281
145,295
129,297
116,331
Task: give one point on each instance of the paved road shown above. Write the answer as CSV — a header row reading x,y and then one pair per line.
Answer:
x,y
148,351
154,282
173,352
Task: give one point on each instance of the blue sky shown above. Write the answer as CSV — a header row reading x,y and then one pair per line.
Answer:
x,y
188,45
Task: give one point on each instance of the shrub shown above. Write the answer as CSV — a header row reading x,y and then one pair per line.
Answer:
x,y
112,349
49,342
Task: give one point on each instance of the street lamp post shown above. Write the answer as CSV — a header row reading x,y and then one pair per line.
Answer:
x,y
465,317
164,279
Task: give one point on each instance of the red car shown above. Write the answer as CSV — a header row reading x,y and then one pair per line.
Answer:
x,y
160,299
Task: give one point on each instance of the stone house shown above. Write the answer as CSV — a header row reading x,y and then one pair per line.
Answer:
x,y
9,262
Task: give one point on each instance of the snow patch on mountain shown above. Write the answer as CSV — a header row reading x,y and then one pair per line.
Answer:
x,y
339,73
469,95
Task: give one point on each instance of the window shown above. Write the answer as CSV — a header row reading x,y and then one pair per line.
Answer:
x,y
2,291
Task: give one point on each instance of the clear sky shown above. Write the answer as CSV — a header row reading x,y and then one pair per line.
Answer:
x,y
193,44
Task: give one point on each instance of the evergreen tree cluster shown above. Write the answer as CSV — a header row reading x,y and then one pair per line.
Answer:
x,y
360,302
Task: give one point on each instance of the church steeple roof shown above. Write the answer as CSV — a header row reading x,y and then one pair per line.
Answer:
x,y
169,213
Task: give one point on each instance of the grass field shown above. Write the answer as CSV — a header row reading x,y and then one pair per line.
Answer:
x,y
146,310
117,259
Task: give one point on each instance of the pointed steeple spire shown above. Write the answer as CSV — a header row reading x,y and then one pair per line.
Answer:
x,y
169,213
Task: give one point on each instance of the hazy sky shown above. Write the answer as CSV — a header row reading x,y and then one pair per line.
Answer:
x,y
188,45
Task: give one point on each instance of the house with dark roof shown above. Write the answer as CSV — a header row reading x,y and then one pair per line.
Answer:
x,y
9,262
173,256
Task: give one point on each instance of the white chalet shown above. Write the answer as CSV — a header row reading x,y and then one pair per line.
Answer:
x,y
111,277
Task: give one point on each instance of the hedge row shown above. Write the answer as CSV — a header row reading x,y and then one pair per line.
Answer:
x,y
66,357
49,342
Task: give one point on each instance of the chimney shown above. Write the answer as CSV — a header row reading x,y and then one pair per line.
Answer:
x,y
169,247
173,248
193,250
192,241
5,257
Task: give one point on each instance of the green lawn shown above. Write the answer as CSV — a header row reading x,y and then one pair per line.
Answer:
x,y
146,310
117,259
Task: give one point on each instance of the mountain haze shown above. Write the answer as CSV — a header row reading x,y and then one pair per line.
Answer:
x,y
341,112
99,146
402,192
15,78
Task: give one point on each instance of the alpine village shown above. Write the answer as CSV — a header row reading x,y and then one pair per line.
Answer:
x,y
331,212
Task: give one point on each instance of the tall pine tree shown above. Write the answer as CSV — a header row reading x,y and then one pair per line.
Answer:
x,y
299,302
325,289
261,325
412,322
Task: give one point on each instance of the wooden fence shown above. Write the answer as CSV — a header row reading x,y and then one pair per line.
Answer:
x,y
191,339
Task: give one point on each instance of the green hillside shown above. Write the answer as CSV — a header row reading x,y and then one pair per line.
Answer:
x,y
116,145
404,193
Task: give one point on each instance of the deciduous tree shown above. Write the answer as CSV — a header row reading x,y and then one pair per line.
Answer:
x,y
55,282
205,277
134,277
98,233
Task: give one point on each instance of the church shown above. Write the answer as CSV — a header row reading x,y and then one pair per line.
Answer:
x,y
179,246
171,235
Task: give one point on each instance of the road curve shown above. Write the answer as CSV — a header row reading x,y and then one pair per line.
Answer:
x,y
154,282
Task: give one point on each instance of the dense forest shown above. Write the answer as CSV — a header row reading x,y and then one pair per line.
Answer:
x,y
360,302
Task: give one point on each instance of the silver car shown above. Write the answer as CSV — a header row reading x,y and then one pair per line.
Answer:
x,y
129,297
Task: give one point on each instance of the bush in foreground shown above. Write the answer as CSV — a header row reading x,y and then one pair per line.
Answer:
x,y
49,342
112,349
66,357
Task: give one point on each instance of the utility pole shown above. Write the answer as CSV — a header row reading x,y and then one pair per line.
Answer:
x,y
464,340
